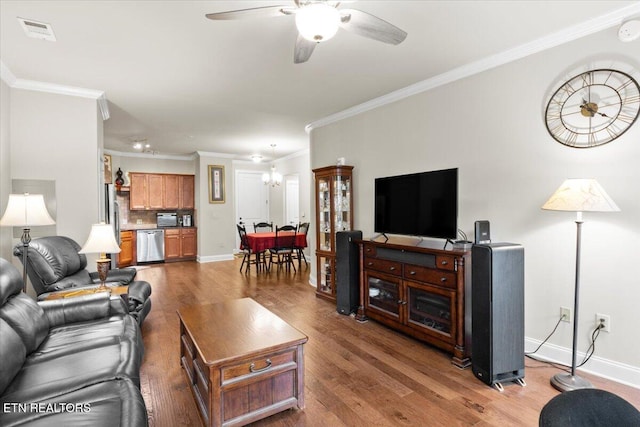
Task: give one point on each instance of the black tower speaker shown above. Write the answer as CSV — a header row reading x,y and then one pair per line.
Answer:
x,y
347,271
497,313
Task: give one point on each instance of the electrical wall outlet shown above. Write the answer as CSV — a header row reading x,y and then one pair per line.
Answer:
x,y
605,319
566,312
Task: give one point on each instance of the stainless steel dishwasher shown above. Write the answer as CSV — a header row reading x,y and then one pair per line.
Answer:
x,y
150,245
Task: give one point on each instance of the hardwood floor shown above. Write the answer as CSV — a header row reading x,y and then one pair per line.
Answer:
x,y
357,374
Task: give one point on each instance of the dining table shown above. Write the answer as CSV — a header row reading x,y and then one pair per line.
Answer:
x,y
259,242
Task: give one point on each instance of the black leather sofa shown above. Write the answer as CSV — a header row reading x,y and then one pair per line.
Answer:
x,y
54,264
72,361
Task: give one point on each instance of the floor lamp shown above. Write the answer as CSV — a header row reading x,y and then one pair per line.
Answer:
x,y
26,210
577,195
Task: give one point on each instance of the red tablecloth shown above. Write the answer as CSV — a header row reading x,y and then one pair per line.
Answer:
x,y
259,242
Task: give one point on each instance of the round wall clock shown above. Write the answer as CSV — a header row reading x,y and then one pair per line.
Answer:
x,y
593,108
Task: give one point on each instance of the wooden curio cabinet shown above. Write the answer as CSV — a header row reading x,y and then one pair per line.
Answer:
x,y
334,212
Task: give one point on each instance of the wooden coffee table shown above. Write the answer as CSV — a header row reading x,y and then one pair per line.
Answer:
x,y
243,363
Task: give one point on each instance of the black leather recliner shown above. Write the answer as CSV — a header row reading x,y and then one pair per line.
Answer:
x,y
54,264
73,361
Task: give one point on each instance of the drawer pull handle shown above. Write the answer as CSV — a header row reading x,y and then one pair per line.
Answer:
x,y
252,367
392,268
444,263
412,273
369,263
443,279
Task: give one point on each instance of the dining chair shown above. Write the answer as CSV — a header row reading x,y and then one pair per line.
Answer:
x,y
259,260
303,227
284,247
262,227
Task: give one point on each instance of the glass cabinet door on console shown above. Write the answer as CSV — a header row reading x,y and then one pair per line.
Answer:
x,y
334,212
431,308
383,295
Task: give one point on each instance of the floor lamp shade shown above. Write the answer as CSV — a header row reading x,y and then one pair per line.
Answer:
x,y
580,195
577,195
26,211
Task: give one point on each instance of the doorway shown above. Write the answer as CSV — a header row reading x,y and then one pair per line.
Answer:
x,y
291,200
252,200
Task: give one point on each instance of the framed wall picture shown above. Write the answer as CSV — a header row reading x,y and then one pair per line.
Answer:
x,y
216,184
108,176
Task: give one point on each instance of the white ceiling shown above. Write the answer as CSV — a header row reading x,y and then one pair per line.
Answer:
x,y
186,83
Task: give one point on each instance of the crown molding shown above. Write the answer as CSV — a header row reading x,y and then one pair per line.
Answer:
x,y
300,153
6,75
543,43
16,83
213,154
183,157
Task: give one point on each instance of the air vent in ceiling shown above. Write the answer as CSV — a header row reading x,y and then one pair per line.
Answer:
x,y
38,30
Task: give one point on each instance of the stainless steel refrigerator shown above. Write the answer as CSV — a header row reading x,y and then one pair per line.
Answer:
x,y
112,216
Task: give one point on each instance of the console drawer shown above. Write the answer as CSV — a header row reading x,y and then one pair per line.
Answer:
x,y
259,365
386,266
446,262
369,250
430,275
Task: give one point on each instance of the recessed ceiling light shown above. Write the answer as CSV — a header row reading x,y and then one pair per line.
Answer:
x,y
257,158
629,31
38,30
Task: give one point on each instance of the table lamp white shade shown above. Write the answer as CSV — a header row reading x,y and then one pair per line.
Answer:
x,y
580,195
26,210
101,240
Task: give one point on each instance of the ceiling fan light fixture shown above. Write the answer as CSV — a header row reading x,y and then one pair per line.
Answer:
x,y
317,22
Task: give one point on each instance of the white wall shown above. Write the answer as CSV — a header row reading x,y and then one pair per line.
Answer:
x,y
150,164
491,127
216,229
58,137
5,168
294,165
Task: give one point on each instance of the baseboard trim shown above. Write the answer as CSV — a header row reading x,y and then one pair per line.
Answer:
x,y
605,368
214,258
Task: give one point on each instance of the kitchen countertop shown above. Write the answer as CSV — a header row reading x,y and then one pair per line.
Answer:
x,y
127,227
133,227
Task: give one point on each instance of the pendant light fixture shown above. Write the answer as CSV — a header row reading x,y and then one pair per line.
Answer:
x,y
273,178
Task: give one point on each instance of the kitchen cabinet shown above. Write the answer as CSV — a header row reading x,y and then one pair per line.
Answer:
x,y
127,253
180,244
187,192
161,191
146,191
171,191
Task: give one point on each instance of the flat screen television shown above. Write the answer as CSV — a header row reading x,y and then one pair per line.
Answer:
x,y
418,204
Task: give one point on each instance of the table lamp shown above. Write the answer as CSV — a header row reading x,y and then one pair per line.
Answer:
x,y
577,195
26,210
102,240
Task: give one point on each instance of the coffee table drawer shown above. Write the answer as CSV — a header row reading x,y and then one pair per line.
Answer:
x,y
259,365
272,393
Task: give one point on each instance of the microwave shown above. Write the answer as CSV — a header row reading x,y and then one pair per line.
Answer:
x,y
167,219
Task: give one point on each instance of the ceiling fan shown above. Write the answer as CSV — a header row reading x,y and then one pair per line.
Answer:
x,y
318,21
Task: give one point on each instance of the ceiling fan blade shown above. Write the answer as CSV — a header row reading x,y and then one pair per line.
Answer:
x,y
256,12
366,25
303,50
